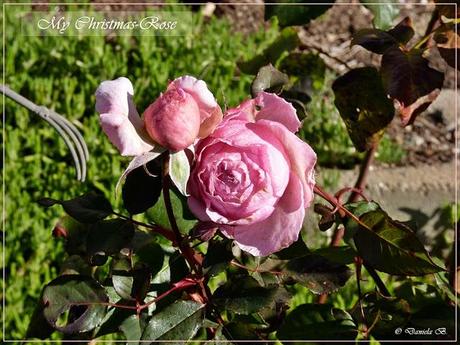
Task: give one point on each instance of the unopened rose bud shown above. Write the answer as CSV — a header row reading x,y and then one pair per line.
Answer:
x,y
173,120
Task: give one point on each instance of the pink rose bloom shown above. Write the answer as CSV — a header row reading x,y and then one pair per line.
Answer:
x,y
185,112
254,177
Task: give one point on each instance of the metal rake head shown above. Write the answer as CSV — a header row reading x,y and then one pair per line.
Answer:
x,y
69,133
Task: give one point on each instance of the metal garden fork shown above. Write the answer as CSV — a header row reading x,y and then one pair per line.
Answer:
x,y
69,133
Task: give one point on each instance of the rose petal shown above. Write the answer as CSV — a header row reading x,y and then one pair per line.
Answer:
x,y
114,98
210,112
123,135
302,157
278,231
275,108
272,107
246,112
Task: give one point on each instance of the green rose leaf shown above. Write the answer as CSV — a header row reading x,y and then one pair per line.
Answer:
x,y
178,321
358,209
295,250
268,79
87,208
132,328
184,218
363,105
341,255
299,13
436,316
147,252
390,246
317,273
305,65
287,40
174,269
217,257
108,237
80,297
179,170
74,234
384,12
409,80
317,321
130,283
142,187
387,313
246,296
237,330
137,162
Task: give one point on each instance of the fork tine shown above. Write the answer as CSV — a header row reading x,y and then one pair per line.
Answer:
x,y
64,127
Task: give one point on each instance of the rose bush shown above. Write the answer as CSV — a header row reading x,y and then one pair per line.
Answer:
x,y
185,112
254,177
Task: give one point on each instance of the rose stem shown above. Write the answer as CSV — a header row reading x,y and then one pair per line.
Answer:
x,y
339,231
345,212
189,253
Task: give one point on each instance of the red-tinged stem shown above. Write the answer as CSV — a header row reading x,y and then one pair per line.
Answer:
x,y
345,212
188,252
181,285
339,231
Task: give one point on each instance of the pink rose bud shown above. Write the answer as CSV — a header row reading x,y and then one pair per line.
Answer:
x,y
185,112
173,120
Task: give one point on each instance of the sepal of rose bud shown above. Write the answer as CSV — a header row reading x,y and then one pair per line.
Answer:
x,y
173,120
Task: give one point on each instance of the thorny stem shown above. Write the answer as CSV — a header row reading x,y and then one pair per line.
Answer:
x,y
358,265
180,285
345,212
359,186
189,253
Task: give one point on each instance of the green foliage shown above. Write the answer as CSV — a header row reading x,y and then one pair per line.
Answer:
x,y
144,177
295,13
78,296
287,40
158,214
317,273
387,245
243,295
179,170
268,79
363,105
317,321
385,12
88,208
180,320
378,41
